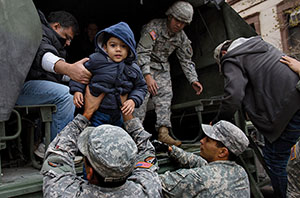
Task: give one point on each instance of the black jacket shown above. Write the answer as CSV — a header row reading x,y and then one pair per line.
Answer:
x,y
51,42
264,87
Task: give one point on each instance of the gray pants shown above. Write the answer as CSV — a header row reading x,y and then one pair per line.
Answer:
x,y
162,101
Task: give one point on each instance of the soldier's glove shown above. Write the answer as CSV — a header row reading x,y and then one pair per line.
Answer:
x,y
160,146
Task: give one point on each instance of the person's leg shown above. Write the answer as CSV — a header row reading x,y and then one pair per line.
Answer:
x,y
163,99
276,155
37,92
162,103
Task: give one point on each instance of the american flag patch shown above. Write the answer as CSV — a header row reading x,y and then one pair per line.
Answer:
x,y
153,35
143,165
293,152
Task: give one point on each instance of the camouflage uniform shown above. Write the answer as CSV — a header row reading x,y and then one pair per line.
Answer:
x,y
198,178
60,179
293,170
153,50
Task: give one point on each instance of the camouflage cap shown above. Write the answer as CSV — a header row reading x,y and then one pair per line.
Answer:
x,y
229,134
181,10
110,150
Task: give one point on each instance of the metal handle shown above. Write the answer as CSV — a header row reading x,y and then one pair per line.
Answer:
x,y
5,138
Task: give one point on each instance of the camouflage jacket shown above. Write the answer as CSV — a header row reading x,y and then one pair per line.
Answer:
x,y
155,47
60,179
293,170
202,179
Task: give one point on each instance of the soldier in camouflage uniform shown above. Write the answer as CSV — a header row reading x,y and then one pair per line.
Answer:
x,y
214,173
116,165
159,38
293,166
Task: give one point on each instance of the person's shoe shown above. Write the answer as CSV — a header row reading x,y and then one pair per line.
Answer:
x,y
40,151
78,159
163,136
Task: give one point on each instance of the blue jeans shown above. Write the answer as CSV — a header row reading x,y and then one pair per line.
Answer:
x,y
112,117
277,153
36,92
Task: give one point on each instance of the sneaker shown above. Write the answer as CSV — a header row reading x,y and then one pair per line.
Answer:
x,y
78,159
40,151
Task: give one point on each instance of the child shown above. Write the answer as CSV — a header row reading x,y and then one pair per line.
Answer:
x,y
114,74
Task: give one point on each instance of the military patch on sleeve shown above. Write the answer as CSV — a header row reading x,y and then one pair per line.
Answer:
x,y
151,160
293,152
153,35
143,165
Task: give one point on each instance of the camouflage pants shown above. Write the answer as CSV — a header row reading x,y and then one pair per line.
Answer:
x,y
293,170
162,101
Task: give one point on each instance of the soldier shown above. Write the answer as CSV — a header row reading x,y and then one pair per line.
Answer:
x,y
293,166
111,159
214,173
159,38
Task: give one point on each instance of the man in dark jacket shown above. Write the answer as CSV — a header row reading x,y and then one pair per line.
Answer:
x,y
114,74
44,83
256,80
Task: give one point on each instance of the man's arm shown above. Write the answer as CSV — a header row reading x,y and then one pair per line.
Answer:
x,y
75,71
62,150
186,159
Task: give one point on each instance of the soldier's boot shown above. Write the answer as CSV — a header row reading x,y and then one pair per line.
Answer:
x,y
163,136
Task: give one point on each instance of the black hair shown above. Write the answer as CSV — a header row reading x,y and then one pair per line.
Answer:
x,y
226,46
106,37
65,19
231,156
100,179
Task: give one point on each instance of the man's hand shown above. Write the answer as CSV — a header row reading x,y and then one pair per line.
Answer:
x,y
292,63
160,146
151,84
197,87
75,71
91,103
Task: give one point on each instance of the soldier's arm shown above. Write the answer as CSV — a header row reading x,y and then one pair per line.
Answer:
x,y
186,159
184,54
141,137
144,50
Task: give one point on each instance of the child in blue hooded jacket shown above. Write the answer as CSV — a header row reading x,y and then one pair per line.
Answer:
x,y
114,74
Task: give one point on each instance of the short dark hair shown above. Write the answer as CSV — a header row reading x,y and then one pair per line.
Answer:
x,y
101,179
231,156
226,46
65,19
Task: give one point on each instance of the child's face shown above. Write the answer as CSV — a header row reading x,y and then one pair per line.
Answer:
x,y
116,49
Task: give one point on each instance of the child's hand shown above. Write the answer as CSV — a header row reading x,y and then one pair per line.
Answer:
x,y
128,107
78,99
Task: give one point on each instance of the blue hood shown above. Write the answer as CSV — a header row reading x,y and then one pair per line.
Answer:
x,y
122,31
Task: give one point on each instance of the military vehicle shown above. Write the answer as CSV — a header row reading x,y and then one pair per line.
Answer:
x,y
21,126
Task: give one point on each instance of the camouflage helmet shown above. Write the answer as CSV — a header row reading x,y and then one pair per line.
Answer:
x,y
110,150
229,134
181,10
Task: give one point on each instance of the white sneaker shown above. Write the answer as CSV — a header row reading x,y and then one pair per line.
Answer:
x,y
78,159
40,151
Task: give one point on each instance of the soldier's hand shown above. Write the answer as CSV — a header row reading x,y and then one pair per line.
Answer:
x,y
197,87
151,84
160,146
92,103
